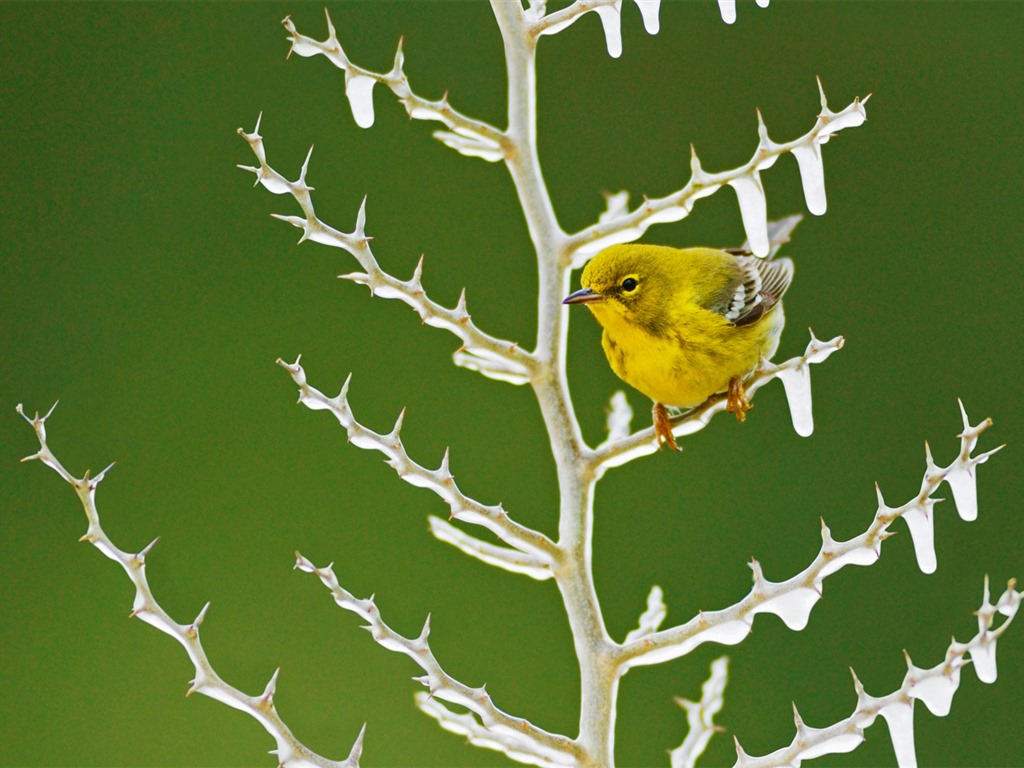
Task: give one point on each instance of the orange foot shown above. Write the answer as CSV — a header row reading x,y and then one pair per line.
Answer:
x,y
663,427
738,402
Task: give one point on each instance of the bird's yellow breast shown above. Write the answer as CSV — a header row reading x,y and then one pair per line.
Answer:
x,y
693,358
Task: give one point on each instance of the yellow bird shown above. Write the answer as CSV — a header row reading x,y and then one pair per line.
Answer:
x,y
681,325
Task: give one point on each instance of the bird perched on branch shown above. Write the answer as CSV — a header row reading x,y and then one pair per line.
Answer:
x,y
681,325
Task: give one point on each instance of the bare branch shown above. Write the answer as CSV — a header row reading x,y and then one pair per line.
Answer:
x,y
500,557
745,180
793,599
439,480
500,725
935,687
359,89
796,378
492,356
700,716
290,752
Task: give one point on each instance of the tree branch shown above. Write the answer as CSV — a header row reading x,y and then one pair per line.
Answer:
x,y
793,599
290,752
439,480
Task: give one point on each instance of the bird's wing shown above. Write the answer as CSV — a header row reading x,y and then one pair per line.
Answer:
x,y
757,287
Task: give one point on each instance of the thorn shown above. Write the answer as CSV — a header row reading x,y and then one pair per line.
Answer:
x,y
444,468
796,717
202,615
395,430
821,91
857,685
361,219
357,747
146,550
268,692
417,274
330,26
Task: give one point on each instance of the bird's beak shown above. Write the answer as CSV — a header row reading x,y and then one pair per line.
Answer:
x,y
583,296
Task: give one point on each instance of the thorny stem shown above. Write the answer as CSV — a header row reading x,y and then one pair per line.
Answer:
x,y
598,678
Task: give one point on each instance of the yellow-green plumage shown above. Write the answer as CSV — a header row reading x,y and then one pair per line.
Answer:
x,y
696,319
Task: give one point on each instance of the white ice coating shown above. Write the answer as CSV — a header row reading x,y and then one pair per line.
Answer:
x,y
652,616
899,716
965,491
936,690
984,658
753,210
649,10
359,90
812,175
728,10
620,416
797,383
794,608
922,532
611,20
471,144
700,716
492,366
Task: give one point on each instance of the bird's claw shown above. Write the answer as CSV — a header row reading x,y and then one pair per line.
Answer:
x,y
737,400
663,427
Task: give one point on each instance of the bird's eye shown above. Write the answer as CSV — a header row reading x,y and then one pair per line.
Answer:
x,y
629,284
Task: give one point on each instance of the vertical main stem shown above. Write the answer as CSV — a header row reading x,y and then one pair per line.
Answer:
x,y
573,573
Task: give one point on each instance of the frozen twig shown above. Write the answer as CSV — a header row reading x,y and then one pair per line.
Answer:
x,y
793,599
796,378
935,687
745,180
511,733
494,357
359,84
609,11
700,716
507,559
541,549
290,752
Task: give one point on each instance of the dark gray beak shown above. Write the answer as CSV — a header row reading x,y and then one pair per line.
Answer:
x,y
583,296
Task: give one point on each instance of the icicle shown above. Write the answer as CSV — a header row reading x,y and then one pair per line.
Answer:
x,y
794,608
900,719
649,11
812,175
753,210
728,10
359,90
922,532
611,20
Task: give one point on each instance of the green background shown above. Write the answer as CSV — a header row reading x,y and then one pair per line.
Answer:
x,y
144,285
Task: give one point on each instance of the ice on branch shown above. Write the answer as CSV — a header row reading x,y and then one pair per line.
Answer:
x,y
796,378
651,618
792,600
507,559
727,8
934,687
540,549
289,752
609,11
745,180
700,716
517,737
359,84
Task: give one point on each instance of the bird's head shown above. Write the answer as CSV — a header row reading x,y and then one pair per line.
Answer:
x,y
628,281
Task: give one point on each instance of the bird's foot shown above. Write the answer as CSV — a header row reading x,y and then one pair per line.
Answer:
x,y
737,401
663,427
